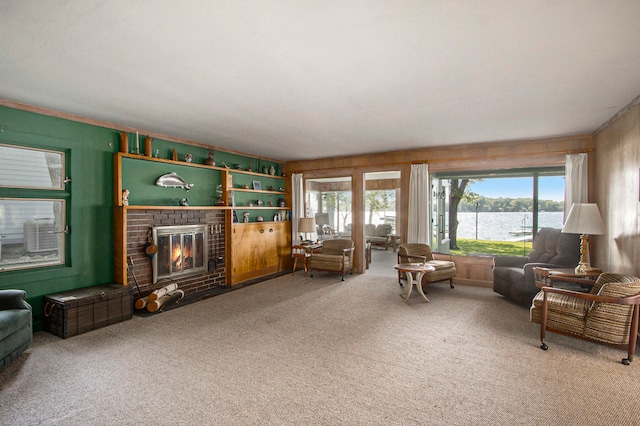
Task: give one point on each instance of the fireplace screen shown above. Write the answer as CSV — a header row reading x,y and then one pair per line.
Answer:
x,y
182,250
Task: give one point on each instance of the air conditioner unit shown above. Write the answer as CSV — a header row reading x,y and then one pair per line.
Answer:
x,y
39,235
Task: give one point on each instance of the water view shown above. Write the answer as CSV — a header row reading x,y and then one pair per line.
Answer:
x,y
500,226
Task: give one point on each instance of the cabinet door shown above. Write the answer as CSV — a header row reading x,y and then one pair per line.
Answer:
x,y
259,249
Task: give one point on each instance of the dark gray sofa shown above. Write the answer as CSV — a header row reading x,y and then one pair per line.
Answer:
x,y
513,275
16,332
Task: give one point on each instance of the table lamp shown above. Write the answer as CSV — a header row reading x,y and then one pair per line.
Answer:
x,y
584,219
307,225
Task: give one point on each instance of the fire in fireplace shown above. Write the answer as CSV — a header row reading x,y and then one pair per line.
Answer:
x,y
182,250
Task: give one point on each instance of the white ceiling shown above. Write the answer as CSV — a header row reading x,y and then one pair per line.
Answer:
x,y
309,79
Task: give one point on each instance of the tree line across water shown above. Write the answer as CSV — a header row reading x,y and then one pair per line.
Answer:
x,y
509,205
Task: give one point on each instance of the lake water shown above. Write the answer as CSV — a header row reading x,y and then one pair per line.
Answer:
x,y
501,226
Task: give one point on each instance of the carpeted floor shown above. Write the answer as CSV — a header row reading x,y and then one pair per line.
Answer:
x,y
300,350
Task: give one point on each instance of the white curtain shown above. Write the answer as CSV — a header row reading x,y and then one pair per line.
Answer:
x,y
419,211
575,181
297,204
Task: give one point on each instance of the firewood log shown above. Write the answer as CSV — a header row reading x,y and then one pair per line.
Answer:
x,y
156,294
141,303
168,298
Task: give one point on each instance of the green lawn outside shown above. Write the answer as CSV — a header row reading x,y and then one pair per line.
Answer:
x,y
485,247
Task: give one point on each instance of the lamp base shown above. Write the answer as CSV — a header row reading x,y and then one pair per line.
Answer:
x,y
584,268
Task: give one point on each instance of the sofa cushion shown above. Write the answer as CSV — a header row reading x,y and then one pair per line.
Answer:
x,y
556,248
441,265
13,299
12,320
383,230
563,312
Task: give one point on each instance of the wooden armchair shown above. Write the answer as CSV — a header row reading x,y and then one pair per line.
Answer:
x,y
379,236
415,252
335,255
607,314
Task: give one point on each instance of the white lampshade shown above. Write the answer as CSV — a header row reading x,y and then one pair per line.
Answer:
x,y
584,219
307,224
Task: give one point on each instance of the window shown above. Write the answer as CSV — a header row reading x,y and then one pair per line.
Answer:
x,y
33,206
495,212
381,197
328,200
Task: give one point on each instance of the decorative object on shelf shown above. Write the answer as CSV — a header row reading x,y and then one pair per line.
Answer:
x,y
281,189
174,155
270,203
237,166
184,202
250,204
265,169
172,180
188,158
124,142
232,199
259,219
245,217
225,165
584,219
148,146
250,169
281,202
270,188
209,161
257,185
220,201
245,186
235,217
137,143
272,170
157,153
258,203
125,197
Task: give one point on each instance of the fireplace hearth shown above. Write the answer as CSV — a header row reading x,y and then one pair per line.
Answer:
x,y
182,251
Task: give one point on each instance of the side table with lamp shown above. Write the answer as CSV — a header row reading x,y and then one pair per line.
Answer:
x,y
302,251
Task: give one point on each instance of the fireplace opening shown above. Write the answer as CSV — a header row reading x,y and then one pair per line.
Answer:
x,y
182,250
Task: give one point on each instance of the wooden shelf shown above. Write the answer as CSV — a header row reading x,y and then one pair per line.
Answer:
x,y
246,172
260,208
176,207
260,191
162,160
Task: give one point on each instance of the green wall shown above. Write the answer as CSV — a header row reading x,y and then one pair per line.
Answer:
x,y
90,149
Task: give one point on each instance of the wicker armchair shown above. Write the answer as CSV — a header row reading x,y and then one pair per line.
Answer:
x,y
414,252
335,256
607,314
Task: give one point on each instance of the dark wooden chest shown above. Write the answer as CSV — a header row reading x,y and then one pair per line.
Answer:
x,y
75,312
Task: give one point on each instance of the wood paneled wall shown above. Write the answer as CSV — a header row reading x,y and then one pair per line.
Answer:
x,y
617,181
481,156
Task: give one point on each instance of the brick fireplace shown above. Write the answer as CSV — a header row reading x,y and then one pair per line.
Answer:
x,y
140,224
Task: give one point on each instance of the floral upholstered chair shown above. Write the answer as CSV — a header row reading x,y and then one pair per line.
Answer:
x,y
607,314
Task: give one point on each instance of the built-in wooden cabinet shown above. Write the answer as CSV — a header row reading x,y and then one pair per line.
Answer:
x,y
258,248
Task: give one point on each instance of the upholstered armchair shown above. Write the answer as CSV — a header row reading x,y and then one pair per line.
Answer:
x,y
421,253
16,332
513,275
335,255
607,314
379,236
